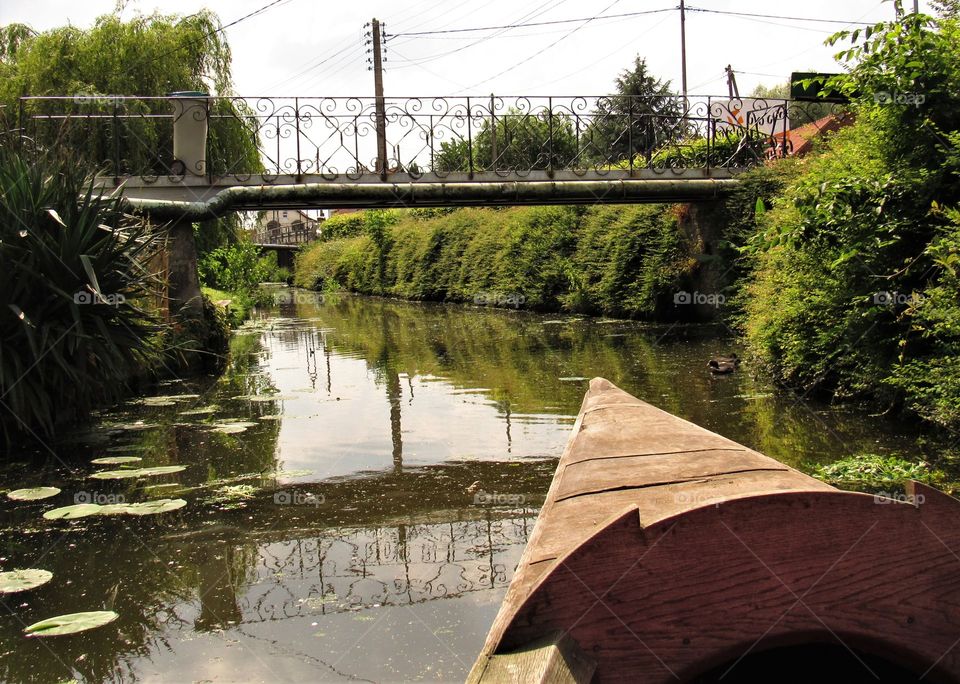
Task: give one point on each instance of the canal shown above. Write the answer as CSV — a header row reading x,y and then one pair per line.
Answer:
x,y
360,484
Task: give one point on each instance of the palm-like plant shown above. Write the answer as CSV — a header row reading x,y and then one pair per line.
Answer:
x,y
74,284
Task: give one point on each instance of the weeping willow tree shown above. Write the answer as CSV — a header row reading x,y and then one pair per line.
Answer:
x,y
147,56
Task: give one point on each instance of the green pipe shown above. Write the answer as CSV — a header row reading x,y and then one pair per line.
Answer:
x,y
430,194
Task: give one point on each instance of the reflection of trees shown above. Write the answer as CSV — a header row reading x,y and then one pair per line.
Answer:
x,y
520,357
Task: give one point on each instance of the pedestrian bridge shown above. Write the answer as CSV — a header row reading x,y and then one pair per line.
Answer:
x,y
191,156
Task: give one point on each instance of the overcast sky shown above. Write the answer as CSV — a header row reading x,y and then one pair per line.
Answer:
x,y
312,47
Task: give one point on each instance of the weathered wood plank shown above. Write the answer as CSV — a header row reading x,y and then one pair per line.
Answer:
x,y
664,550
553,659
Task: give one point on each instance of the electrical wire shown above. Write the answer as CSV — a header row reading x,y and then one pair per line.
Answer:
x,y
607,56
774,16
539,10
542,50
537,23
223,28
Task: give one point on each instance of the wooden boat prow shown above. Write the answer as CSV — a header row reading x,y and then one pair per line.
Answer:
x,y
664,551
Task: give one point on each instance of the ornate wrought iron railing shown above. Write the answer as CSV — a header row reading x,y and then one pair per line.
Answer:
x,y
494,137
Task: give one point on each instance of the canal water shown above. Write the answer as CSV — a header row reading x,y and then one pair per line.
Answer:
x,y
360,484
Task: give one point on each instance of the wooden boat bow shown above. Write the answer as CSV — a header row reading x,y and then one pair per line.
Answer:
x,y
664,551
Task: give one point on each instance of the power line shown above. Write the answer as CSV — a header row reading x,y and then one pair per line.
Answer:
x,y
222,28
636,38
537,11
774,16
534,23
542,50
335,53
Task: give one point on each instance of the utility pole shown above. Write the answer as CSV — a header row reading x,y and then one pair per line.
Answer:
x,y
380,105
732,83
916,6
683,51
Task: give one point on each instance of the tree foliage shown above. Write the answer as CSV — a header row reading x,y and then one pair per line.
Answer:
x,y
855,290
522,141
148,56
641,116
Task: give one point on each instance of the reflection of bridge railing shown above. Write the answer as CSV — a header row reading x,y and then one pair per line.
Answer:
x,y
342,570
433,138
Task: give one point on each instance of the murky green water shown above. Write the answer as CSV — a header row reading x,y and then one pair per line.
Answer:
x,y
339,477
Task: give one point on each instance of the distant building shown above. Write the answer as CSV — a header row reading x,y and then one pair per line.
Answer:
x,y
799,141
286,227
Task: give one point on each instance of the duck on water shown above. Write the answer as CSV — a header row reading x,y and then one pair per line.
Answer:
x,y
721,365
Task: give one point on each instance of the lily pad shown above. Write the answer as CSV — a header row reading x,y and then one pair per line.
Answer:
x,y
22,580
137,472
145,508
33,493
153,507
116,460
200,411
232,428
71,623
73,512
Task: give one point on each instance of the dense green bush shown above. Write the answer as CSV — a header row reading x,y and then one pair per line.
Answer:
x,y
622,260
239,268
76,287
854,289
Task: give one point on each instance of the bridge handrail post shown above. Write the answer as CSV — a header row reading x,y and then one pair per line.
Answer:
x,y
116,144
550,137
493,135
432,168
711,131
296,116
469,142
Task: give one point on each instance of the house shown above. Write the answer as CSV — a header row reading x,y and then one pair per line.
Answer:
x,y
799,141
286,227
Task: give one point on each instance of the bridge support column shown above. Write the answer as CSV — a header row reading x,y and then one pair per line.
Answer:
x,y
183,279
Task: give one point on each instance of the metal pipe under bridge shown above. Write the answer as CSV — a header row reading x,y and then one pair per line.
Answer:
x,y
170,154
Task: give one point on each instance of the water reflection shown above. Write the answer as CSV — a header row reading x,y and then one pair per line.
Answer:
x,y
337,525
